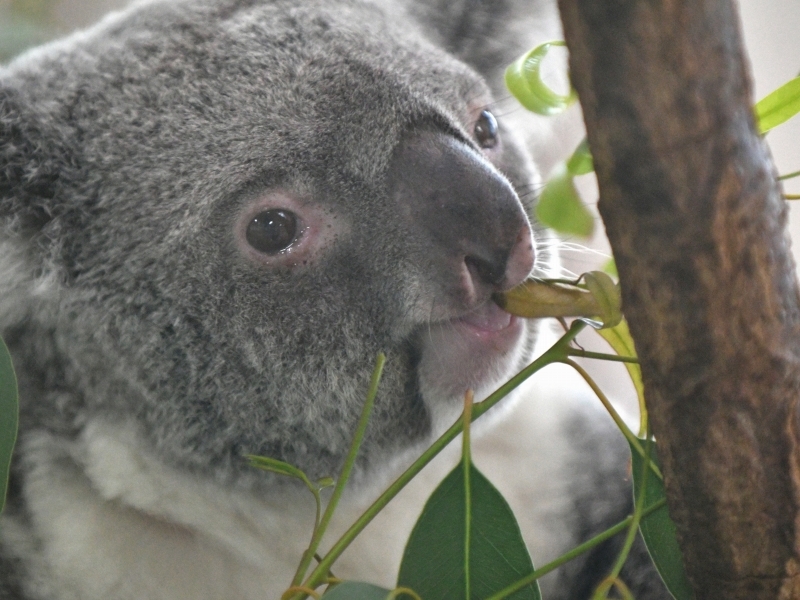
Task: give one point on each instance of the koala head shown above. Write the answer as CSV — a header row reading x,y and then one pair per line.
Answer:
x,y
215,214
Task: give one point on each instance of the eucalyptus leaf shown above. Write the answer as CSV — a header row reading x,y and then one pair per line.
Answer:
x,y
581,161
524,80
608,297
778,106
276,466
610,267
326,482
561,207
9,417
658,531
356,590
433,561
536,299
619,338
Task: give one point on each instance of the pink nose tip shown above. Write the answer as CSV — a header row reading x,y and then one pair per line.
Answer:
x,y
520,260
502,271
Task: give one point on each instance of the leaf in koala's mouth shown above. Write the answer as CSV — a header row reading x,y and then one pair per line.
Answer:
x,y
599,297
535,299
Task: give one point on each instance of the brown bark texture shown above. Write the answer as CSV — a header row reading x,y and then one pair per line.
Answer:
x,y
696,220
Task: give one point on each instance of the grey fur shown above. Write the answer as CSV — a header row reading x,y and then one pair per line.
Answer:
x,y
128,154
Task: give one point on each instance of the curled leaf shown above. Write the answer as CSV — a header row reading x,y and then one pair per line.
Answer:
x,y
536,299
524,81
608,297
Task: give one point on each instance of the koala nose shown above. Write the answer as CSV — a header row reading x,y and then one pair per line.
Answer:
x,y
503,270
468,219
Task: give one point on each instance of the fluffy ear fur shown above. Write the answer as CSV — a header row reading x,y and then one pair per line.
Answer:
x,y
488,34
29,171
36,162
39,160
28,176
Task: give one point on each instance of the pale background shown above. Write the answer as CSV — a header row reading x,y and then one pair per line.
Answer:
x,y
772,35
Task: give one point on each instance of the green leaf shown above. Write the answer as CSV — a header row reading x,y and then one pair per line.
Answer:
x,y
274,465
619,338
433,561
524,81
581,161
560,206
610,267
658,532
356,590
326,482
608,297
9,417
779,106
537,299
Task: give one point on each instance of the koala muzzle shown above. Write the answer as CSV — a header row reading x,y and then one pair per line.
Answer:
x,y
472,225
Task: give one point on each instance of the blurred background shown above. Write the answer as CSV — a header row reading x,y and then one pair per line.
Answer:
x,y
772,34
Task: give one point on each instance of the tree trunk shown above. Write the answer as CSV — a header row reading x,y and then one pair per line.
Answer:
x,y
695,217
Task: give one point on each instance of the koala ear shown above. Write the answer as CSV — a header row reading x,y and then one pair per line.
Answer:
x,y
488,34
31,162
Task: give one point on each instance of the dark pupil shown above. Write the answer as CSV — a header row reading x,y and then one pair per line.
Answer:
x,y
486,130
272,231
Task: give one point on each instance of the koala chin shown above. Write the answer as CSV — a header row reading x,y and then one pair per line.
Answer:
x,y
214,214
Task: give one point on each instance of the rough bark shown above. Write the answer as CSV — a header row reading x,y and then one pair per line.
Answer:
x,y
696,220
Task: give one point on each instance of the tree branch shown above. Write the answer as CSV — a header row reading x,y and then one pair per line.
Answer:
x,y
695,217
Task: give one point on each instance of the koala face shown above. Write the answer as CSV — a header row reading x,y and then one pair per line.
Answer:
x,y
217,214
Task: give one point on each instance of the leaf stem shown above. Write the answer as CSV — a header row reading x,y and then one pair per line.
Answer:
x,y
637,513
556,353
623,427
609,582
466,455
281,468
789,175
603,356
346,470
574,553
634,526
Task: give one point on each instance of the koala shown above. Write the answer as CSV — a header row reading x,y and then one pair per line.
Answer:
x,y
214,214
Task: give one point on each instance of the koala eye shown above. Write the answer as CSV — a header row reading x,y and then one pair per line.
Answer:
x,y
272,231
486,130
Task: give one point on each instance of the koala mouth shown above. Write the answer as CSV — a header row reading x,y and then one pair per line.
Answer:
x,y
486,320
477,350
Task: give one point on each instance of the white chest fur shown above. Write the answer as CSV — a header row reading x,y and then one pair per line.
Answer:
x,y
118,525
